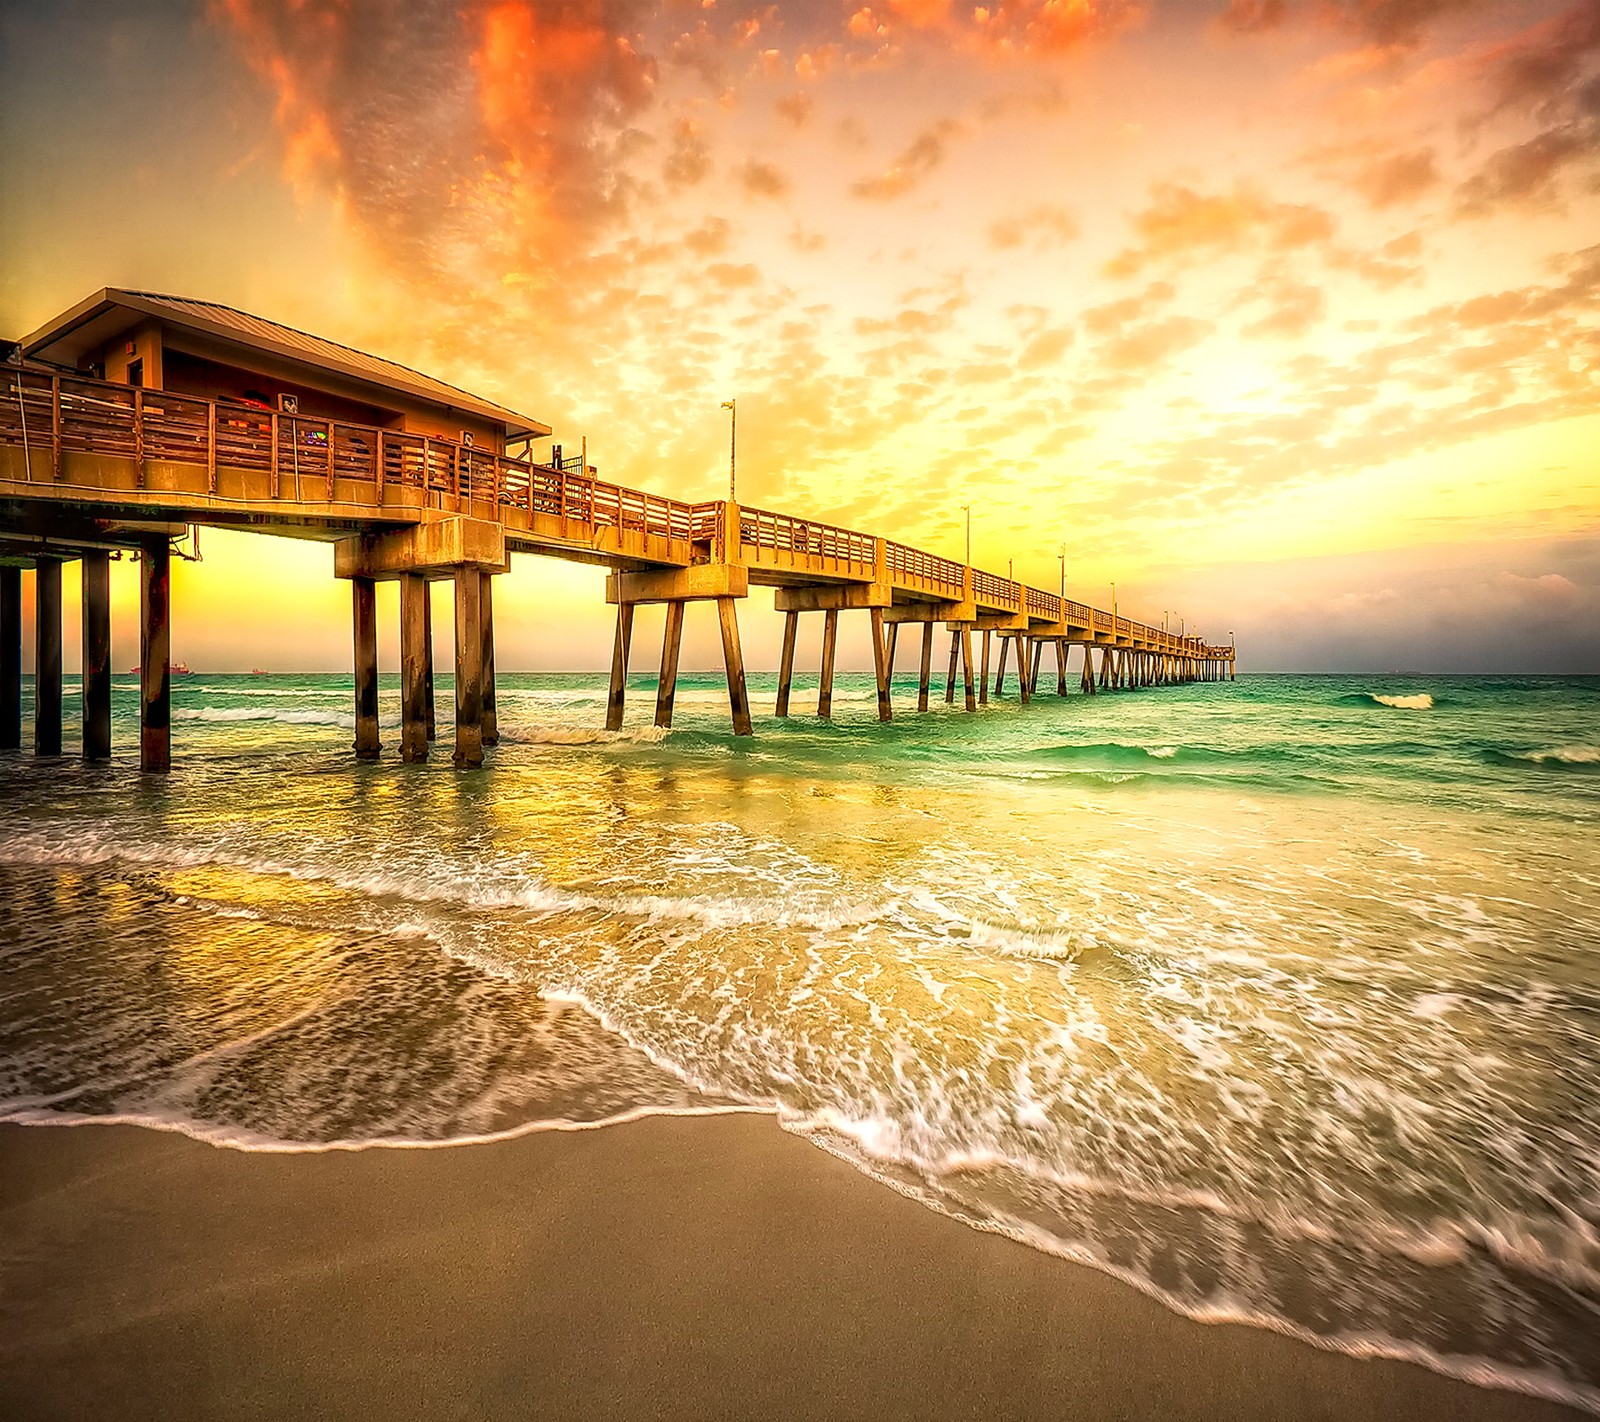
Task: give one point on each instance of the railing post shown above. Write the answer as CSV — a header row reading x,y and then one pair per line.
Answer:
x,y
55,424
330,460
211,445
138,432
273,484
380,471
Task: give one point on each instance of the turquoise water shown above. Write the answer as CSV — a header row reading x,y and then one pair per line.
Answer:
x,y
1278,999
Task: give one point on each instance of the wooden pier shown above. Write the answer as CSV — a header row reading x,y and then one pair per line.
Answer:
x,y
90,466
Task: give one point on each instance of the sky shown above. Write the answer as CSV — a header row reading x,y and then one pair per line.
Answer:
x,y
1282,315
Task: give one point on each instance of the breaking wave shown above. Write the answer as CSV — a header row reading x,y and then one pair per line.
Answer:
x,y
1550,758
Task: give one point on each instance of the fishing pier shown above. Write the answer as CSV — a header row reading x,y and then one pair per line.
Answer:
x,y
135,416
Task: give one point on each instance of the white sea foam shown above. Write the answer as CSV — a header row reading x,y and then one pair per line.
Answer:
x,y
1420,701
288,715
1563,755
520,734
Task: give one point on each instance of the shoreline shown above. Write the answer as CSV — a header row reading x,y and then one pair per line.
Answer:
x,y
667,1266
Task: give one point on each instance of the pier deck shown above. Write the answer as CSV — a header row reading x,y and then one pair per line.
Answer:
x,y
89,465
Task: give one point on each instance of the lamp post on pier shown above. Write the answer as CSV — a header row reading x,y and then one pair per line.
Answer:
x,y
1063,557
731,406
967,510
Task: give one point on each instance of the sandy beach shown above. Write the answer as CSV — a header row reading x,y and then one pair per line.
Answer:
x,y
712,1267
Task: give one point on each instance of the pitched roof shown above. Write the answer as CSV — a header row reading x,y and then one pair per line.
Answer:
x,y
94,320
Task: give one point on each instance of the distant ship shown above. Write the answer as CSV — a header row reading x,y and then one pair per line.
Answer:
x,y
176,669
259,671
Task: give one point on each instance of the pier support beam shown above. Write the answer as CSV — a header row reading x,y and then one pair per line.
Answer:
x,y
416,667
155,657
830,646
983,671
667,682
10,658
733,660
47,657
966,668
491,718
469,666
791,629
428,722
96,569
880,664
1061,666
364,629
1086,681
1000,670
618,694
1024,687
925,666
950,679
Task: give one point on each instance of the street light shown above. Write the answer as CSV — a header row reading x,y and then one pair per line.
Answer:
x,y
733,447
967,510
1113,602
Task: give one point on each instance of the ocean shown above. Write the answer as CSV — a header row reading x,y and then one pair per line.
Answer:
x,y
1278,999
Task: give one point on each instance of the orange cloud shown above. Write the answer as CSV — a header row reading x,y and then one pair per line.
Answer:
x,y
1388,23
1398,178
926,152
1047,226
1000,29
762,179
432,120
1180,221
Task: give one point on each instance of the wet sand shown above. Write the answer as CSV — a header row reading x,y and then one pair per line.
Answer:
x,y
665,1268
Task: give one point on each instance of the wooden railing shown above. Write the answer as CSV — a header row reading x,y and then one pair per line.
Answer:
x,y
306,459
782,533
1002,592
945,574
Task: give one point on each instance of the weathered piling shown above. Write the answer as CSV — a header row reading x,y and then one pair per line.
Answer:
x,y
10,658
155,656
733,661
791,627
925,666
830,647
430,724
47,657
491,716
616,696
96,696
880,664
364,634
416,666
469,581
667,683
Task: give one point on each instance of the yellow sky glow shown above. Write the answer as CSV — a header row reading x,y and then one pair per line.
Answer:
x,y
1170,284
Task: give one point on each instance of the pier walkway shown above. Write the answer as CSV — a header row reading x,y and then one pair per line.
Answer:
x,y
90,466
